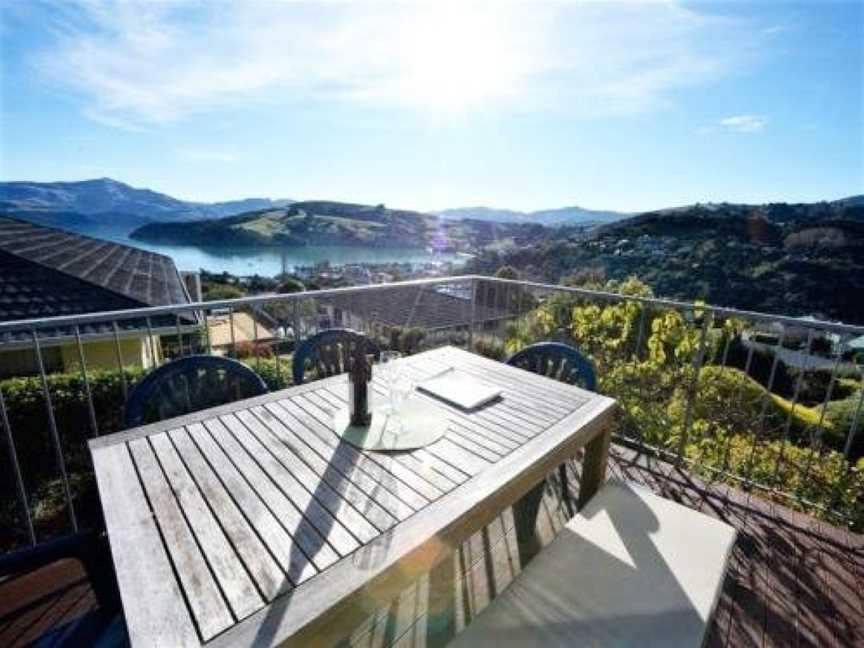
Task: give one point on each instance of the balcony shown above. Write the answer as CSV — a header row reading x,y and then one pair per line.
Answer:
x,y
713,417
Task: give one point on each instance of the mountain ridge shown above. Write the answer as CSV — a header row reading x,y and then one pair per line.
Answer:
x,y
105,196
572,215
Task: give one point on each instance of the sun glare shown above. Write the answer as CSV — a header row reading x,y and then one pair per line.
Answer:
x,y
456,57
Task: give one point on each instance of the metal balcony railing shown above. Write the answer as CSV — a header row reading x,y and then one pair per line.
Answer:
x,y
766,402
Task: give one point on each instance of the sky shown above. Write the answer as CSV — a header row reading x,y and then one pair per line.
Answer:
x,y
534,105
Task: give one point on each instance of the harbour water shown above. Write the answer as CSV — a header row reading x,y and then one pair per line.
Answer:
x,y
268,261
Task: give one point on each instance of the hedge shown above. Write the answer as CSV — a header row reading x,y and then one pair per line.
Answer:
x,y
28,417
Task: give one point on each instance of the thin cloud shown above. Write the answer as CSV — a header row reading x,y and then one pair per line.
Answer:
x,y
206,155
744,123
143,64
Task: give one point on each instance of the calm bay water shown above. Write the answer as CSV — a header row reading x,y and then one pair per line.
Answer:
x,y
268,261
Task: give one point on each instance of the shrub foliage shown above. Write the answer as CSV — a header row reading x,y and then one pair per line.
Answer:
x,y
718,416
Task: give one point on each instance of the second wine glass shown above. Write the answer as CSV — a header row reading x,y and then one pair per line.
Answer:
x,y
390,374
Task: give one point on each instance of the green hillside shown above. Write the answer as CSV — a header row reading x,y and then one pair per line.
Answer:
x,y
335,223
790,259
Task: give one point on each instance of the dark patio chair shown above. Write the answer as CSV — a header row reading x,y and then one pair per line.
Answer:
x,y
561,362
329,353
558,361
190,384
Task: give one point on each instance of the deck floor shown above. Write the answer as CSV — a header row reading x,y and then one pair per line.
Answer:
x,y
793,580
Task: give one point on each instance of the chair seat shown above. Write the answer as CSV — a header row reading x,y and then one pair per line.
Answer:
x,y
631,569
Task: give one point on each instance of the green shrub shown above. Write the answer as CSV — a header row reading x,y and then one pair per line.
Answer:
x,y
731,421
407,339
276,372
490,348
28,418
825,479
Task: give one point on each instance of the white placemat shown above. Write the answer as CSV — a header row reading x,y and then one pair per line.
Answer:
x,y
459,388
418,423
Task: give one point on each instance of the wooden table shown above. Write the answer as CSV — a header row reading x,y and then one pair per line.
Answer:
x,y
251,524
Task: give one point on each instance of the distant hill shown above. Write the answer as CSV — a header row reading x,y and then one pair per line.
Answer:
x,y
548,217
336,223
105,201
795,259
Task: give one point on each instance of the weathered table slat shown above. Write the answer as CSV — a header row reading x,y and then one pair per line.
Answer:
x,y
260,564
253,524
208,607
442,475
396,497
407,469
338,506
234,580
264,521
370,510
134,534
309,540
384,509
335,532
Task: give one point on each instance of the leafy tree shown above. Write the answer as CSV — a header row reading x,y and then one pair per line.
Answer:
x,y
216,292
290,285
506,272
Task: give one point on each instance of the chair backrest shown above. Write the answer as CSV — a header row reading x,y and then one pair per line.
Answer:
x,y
329,353
190,384
559,361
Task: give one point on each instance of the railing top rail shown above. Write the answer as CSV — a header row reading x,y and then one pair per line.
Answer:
x,y
154,311
171,309
834,327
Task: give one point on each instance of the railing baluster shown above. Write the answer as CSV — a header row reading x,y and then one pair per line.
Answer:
x,y
694,384
738,397
296,323
856,423
90,409
152,344
179,336
55,435
472,291
788,426
640,334
16,469
120,360
254,315
816,440
231,324
766,400
205,314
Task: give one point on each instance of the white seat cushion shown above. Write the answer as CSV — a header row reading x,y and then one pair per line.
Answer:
x,y
631,569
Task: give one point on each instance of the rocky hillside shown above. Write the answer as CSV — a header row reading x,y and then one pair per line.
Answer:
x,y
336,223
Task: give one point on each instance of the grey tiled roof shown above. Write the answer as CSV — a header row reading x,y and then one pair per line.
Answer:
x,y
46,272
148,278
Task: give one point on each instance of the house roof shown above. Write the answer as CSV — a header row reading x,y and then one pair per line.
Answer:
x,y
47,272
148,278
245,330
429,307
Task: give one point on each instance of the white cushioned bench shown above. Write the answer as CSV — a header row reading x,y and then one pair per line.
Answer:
x,y
631,569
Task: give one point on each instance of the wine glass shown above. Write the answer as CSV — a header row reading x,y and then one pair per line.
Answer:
x,y
400,391
390,370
